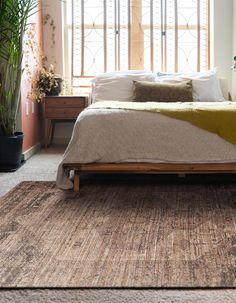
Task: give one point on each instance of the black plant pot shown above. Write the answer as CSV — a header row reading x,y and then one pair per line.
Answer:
x,y
11,152
56,90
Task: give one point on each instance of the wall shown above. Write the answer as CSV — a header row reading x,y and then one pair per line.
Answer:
x,y
222,32
234,50
31,112
222,37
55,54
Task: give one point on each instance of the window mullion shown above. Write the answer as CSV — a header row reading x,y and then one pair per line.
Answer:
x,y
115,33
165,35
105,34
82,37
162,36
137,36
198,37
176,36
72,44
129,33
151,37
118,33
208,43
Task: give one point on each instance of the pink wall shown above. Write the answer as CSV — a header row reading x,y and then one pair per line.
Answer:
x,y
32,118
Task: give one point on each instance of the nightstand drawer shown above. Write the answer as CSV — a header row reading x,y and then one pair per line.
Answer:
x,y
66,102
63,113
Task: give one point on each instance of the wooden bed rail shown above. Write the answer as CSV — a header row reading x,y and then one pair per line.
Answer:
x,y
149,168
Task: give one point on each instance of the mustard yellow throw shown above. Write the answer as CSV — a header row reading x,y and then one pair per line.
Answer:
x,y
215,117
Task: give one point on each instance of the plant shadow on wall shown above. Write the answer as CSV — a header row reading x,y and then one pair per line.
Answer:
x,y
14,16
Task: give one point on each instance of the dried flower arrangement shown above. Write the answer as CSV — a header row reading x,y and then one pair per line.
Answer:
x,y
43,79
45,83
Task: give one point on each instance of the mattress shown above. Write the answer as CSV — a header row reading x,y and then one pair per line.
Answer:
x,y
115,135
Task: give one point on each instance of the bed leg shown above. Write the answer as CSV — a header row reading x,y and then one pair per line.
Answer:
x,y
76,181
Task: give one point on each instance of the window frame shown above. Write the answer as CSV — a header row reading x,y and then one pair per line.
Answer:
x,y
164,27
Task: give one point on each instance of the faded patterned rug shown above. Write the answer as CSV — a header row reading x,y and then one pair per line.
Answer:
x,y
119,235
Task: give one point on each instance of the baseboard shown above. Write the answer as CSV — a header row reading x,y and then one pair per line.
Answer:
x,y
31,151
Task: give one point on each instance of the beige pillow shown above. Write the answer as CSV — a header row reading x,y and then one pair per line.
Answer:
x,y
163,92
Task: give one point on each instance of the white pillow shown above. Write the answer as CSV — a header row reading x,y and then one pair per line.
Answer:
x,y
188,74
122,72
206,87
118,86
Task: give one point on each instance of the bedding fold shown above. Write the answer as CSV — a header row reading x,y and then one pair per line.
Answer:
x,y
218,118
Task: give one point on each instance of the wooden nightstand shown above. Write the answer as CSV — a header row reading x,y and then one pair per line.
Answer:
x,y
61,108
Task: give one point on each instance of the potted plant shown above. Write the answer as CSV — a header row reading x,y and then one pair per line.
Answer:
x,y
48,83
13,25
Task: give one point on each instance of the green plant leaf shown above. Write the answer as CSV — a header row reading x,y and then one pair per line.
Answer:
x,y
14,16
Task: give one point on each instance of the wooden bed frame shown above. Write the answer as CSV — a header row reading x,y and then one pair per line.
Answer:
x,y
149,168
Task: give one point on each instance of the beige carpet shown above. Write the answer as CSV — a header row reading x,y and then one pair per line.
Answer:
x,y
118,235
43,167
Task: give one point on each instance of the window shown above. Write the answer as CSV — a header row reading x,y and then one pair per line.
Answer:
x,y
158,35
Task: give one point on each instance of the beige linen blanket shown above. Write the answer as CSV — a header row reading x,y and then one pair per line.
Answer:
x,y
218,118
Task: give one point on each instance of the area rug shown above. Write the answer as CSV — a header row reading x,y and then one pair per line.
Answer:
x,y
121,235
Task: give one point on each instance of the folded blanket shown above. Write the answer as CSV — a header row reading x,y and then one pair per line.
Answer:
x,y
215,117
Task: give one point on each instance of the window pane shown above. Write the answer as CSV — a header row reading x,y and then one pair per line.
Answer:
x,y
158,35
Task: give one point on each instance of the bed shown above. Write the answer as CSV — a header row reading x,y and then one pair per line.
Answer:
x,y
110,139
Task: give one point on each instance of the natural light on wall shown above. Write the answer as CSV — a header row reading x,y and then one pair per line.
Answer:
x,y
157,35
